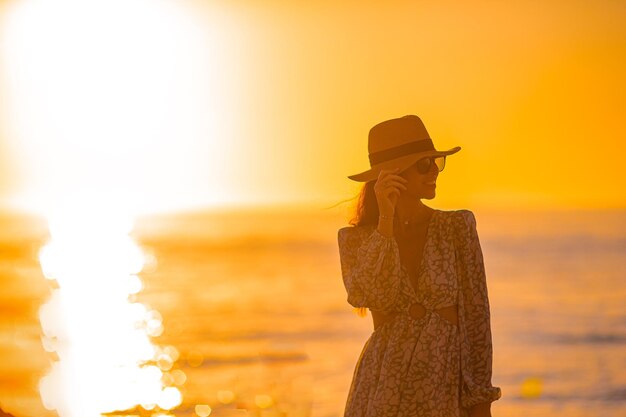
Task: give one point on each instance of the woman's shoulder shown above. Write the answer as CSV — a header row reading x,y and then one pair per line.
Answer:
x,y
354,233
457,222
355,230
457,215
467,216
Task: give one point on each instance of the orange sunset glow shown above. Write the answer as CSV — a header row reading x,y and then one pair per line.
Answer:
x,y
173,175
243,103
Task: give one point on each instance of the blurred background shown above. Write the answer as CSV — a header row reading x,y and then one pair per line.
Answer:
x,y
173,176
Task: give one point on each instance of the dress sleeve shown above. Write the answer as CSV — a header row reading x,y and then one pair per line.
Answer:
x,y
476,346
370,266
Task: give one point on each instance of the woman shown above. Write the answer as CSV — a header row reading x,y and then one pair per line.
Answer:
x,y
420,272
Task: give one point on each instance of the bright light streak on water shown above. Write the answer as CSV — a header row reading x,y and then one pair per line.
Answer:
x,y
106,360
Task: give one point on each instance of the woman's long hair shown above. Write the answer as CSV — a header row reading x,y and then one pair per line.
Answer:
x,y
365,213
366,210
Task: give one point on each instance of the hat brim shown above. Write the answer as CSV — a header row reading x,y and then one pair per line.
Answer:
x,y
402,163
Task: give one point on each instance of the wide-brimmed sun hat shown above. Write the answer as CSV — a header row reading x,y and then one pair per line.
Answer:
x,y
398,143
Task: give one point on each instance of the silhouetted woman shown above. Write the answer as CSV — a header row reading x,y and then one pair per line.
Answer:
x,y
420,272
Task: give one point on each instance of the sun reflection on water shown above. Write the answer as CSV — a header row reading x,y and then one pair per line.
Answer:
x,y
98,336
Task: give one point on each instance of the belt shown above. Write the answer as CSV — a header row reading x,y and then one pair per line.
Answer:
x,y
416,311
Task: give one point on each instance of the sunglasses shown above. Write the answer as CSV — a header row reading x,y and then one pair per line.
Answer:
x,y
424,164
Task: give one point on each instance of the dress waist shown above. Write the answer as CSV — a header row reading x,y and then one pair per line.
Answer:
x,y
416,311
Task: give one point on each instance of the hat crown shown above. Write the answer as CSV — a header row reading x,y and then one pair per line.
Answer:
x,y
396,144
395,132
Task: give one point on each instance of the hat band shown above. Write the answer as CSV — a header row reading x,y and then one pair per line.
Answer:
x,y
402,150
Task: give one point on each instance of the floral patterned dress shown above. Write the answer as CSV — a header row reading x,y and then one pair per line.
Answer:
x,y
426,365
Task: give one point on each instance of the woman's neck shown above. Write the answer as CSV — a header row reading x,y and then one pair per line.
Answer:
x,y
411,210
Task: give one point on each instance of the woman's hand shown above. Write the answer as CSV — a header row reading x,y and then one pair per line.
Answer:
x,y
388,187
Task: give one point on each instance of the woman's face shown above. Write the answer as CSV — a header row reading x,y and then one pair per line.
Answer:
x,y
420,185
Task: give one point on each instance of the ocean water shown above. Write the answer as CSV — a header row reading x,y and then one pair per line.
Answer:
x,y
254,304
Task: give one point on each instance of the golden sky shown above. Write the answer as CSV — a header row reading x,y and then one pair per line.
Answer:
x,y
271,102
